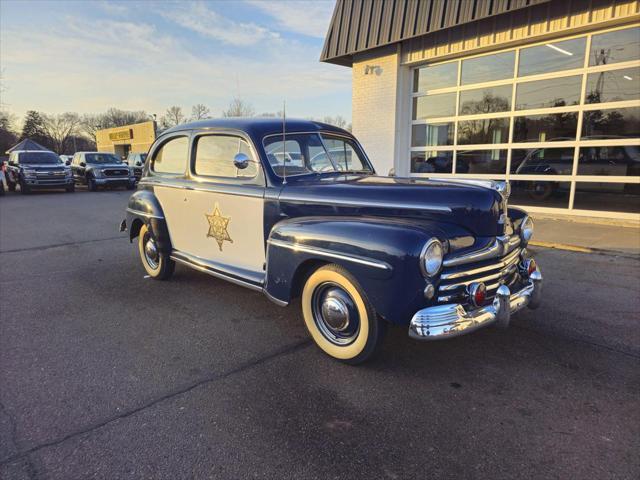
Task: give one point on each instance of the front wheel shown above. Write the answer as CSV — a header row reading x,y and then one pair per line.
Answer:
x,y
24,188
71,188
91,184
339,316
157,264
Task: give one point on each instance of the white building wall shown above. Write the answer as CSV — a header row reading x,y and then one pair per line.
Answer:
x,y
374,105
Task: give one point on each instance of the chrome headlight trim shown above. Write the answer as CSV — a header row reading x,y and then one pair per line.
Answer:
x,y
526,230
431,257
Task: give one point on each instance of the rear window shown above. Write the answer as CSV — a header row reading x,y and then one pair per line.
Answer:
x,y
172,156
38,157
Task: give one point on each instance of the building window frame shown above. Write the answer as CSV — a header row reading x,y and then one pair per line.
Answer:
x,y
512,114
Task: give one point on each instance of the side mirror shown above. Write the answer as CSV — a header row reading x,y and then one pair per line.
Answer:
x,y
68,162
83,164
241,161
138,163
12,163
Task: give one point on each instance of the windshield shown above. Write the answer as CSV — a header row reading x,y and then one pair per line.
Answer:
x,y
33,158
304,153
102,158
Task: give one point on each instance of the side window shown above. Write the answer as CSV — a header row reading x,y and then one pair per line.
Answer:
x,y
172,156
343,153
215,157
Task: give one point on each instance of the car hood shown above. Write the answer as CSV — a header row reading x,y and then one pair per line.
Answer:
x,y
42,166
473,206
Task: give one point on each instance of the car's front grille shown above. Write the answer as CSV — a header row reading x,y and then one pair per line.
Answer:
x,y
493,273
49,174
115,172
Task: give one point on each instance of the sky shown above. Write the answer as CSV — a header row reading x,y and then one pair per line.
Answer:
x,y
88,56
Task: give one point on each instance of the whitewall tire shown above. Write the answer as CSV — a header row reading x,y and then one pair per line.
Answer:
x,y
339,317
158,265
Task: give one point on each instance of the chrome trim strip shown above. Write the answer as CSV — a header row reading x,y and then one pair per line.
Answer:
x,y
501,246
328,253
212,189
203,266
464,283
143,214
277,301
368,203
506,262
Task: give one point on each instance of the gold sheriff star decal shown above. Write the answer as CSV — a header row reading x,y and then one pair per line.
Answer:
x,y
218,226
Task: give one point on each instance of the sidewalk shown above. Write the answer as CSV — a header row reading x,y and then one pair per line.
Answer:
x,y
582,234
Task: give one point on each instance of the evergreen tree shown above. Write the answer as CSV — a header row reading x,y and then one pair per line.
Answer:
x,y
34,128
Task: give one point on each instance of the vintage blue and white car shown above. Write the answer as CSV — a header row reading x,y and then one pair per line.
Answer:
x,y
299,212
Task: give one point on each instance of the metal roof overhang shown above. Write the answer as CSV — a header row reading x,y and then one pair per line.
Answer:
x,y
361,25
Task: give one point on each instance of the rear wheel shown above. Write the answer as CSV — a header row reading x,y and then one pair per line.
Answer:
x,y
339,316
157,264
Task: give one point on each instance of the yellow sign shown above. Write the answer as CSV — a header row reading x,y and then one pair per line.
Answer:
x,y
121,135
218,227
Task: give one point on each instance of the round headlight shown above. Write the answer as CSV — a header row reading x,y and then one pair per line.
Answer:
x,y
526,230
431,257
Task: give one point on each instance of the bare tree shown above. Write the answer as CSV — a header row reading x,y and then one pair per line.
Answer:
x,y
200,112
172,117
338,121
114,117
90,124
60,128
239,108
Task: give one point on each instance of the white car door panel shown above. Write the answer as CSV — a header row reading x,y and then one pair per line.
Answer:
x,y
216,226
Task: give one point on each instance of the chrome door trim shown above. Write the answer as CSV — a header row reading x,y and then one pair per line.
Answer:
x,y
327,253
210,188
212,269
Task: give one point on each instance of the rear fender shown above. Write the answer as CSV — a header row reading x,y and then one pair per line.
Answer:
x,y
144,209
382,254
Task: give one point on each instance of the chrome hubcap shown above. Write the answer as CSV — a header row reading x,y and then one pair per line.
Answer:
x,y
335,314
151,251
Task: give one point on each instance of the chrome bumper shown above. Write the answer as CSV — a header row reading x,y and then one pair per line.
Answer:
x,y
447,321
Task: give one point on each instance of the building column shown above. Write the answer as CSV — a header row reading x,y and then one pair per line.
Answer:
x,y
380,108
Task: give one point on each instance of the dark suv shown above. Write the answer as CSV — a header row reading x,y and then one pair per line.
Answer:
x,y
100,169
33,169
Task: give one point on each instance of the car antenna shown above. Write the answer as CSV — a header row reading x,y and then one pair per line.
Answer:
x,y
284,142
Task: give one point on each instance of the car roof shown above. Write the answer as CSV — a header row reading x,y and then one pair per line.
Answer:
x,y
258,126
33,151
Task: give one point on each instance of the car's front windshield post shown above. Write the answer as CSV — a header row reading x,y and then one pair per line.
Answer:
x,y
329,156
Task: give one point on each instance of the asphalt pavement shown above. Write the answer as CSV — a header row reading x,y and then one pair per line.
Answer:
x,y
107,374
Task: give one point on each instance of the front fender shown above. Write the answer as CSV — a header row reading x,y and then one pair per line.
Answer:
x,y
382,253
144,209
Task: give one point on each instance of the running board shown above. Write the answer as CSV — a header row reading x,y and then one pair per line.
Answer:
x,y
219,271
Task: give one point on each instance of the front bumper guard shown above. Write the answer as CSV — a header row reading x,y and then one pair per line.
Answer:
x,y
448,321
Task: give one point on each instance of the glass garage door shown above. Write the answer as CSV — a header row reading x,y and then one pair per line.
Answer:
x,y
560,120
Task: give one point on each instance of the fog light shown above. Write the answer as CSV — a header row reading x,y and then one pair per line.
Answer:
x,y
477,293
